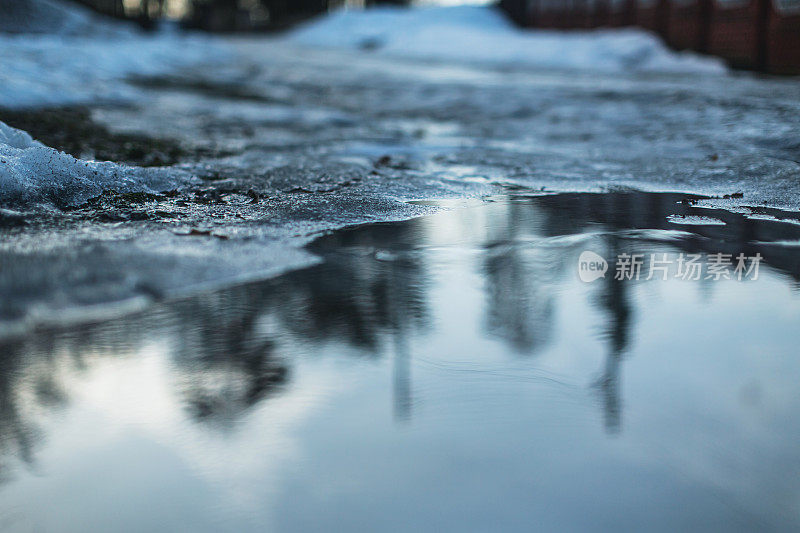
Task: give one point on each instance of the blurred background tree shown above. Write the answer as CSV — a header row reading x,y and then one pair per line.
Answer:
x,y
223,15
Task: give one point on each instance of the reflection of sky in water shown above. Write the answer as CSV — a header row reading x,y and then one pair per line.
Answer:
x,y
445,373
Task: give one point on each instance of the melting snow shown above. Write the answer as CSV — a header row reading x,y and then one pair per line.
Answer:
x,y
33,173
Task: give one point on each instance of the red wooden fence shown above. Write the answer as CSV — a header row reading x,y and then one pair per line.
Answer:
x,y
754,34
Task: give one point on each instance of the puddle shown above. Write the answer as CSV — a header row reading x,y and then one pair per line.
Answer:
x,y
450,372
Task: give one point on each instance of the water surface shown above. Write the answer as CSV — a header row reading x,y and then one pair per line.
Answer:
x,y
450,372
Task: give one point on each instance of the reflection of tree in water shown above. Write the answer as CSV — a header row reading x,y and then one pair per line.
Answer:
x,y
614,300
372,282
519,280
17,433
370,293
520,301
220,364
226,363
222,346
521,273
371,286
33,381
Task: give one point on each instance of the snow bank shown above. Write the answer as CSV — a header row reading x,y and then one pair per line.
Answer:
x,y
32,173
480,33
39,70
52,16
85,58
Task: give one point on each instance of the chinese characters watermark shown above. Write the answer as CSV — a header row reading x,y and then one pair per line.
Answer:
x,y
694,267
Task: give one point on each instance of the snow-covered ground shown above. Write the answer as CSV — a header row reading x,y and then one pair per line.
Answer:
x,y
67,55
484,34
290,136
41,70
73,56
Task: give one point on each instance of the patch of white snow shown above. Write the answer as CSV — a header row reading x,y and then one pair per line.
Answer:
x,y
483,34
31,173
